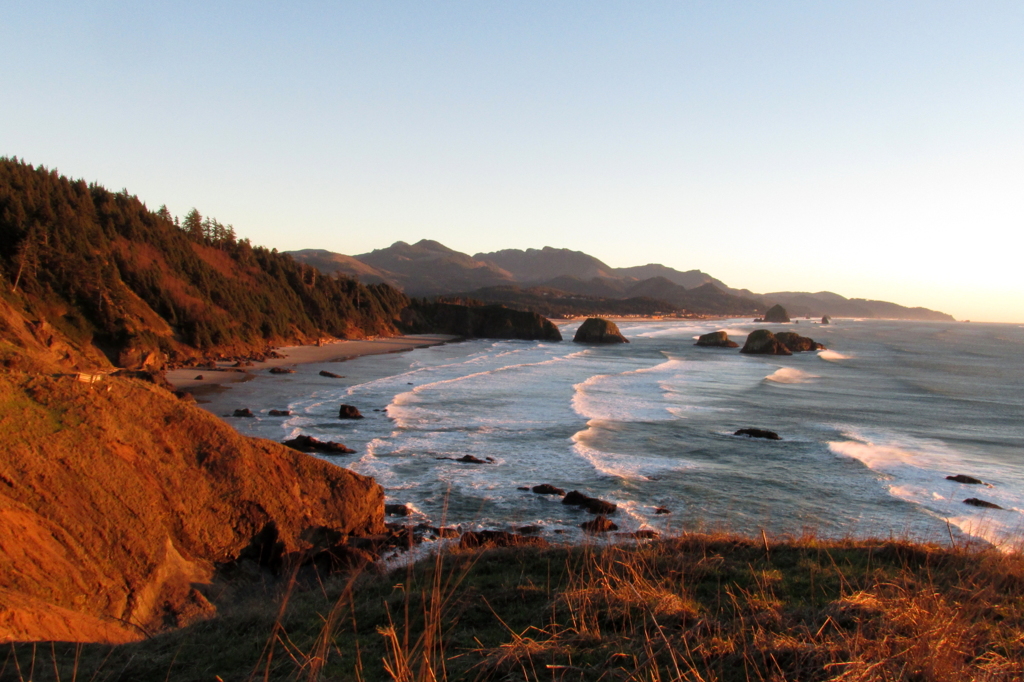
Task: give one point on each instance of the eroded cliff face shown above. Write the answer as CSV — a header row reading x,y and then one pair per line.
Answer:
x,y
116,499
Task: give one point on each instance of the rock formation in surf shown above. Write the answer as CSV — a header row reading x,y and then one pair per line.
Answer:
x,y
118,497
776,314
798,344
716,340
763,342
599,330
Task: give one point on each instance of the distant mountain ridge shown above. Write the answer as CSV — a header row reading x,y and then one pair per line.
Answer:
x,y
555,281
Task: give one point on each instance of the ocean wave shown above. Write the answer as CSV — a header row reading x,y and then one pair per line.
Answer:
x,y
832,356
789,375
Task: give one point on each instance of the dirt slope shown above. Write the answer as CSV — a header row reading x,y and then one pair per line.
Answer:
x,y
116,497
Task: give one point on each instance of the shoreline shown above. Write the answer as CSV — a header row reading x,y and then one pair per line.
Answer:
x,y
335,351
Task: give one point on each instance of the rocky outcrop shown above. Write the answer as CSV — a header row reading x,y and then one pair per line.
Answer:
x,y
116,498
825,319
349,412
310,444
601,524
330,375
716,340
243,412
758,433
763,342
969,480
591,504
975,502
599,330
798,344
280,413
477,322
776,314
547,489
497,538
281,370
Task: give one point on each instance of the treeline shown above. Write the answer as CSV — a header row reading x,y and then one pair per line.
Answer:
x,y
104,269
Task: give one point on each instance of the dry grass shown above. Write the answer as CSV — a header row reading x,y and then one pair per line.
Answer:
x,y
697,608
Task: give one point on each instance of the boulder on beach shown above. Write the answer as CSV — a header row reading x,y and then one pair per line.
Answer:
x,y
758,433
600,524
776,314
716,340
349,412
244,412
547,489
281,370
599,330
330,375
591,504
798,344
975,502
969,480
763,342
310,444
199,377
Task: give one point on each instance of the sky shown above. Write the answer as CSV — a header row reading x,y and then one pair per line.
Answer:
x,y
873,149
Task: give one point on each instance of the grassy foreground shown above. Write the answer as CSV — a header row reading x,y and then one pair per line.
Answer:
x,y
696,607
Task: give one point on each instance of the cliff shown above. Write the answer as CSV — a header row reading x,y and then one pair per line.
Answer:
x,y
117,500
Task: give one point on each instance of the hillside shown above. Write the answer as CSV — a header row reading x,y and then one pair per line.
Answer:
x,y
539,265
834,305
100,270
118,502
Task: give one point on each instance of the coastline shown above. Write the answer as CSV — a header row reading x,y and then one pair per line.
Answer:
x,y
334,351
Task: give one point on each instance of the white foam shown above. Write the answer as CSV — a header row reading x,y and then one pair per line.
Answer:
x,y
832,356
790,375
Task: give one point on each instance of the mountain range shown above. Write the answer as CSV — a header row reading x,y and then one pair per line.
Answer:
x,y
556,282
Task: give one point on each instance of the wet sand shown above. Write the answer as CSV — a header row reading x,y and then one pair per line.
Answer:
x,y
338,351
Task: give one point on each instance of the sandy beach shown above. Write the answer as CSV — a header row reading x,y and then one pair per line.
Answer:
x,y
337,351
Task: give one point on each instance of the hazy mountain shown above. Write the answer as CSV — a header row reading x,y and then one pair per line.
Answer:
x,y
428,268
540,265
331,263
689,279
827,303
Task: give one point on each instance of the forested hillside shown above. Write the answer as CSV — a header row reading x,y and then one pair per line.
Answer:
x,y
101,270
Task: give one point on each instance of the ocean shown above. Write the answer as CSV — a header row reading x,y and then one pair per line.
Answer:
x,y
870,429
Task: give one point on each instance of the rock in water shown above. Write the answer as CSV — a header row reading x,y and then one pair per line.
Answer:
x,y
776,314
547,489
758,433
601,524
310,444
496,538
330,375
961,478
349,412
716,340
798,344
244,412
397,510
763,342
975,502
825,319
281,370
599,330
591,504
280,413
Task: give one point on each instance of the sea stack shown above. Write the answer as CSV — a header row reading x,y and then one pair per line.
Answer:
x,y
716,340
776,314
763,342
825,319
599,330
798,344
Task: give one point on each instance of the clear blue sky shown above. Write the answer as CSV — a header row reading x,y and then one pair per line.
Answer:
x,y
872,149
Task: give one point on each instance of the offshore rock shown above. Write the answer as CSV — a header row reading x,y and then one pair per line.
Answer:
x,y
599,330
349,412
776,314
330,375
969,480
601,524
591,504
716,340
758,433
244,412
310,444
825,319
975,502
281,370
763,342
280,413
547,489
798,344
